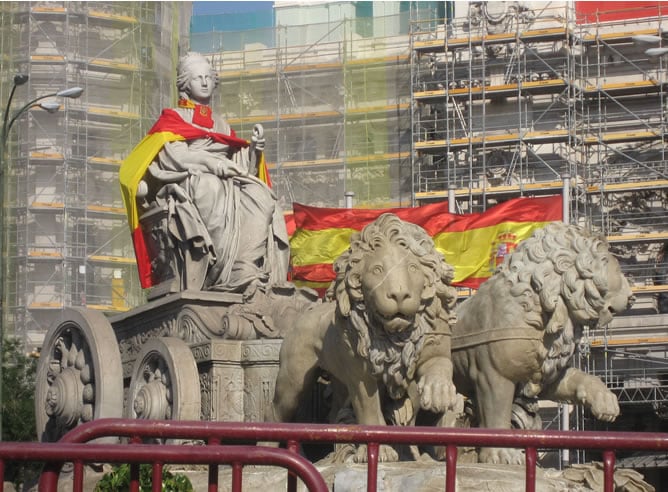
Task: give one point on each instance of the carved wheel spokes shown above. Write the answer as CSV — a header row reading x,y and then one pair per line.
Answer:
x,y
165,383
79,376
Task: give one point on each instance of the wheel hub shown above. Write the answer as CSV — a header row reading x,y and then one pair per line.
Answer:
x,y
151,401
64,397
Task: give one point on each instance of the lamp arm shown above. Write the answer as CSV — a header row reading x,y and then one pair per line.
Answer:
x,y
23,110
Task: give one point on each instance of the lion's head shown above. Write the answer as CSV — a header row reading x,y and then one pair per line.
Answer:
x,y
565,278
394,287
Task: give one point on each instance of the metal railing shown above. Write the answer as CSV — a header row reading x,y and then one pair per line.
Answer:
x,y
227,443
157,455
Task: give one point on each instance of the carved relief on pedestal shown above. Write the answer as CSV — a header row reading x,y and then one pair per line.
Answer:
x,y
205,389
231,406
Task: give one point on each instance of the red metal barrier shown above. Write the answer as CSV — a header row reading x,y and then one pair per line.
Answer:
x,y
219,434
158,455
223,446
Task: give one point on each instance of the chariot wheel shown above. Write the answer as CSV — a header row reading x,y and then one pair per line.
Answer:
x,y
165,382
79,374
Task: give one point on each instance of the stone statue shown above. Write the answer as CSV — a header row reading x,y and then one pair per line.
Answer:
x,y
224,224
515,337
384,338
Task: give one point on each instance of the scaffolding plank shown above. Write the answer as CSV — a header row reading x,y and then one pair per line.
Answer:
x,y
112,259
106,209
532,35
46,156
384,108
628,186
47,58
44,9
625,88
108,308
112,113
49,255
384,60
551,86
105,161
622,137
644,236
311,163
533,188
502,140
107,16
429,46
48,205
599,342
618,37
45,305
113,64
649,289
240,74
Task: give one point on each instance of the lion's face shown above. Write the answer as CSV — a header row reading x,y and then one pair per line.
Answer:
x,y
392,288
618,297
392,282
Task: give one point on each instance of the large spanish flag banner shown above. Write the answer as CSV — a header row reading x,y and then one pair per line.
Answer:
x,y
170,127
473,243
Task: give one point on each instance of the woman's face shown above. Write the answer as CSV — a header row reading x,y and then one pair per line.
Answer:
x,y
201,83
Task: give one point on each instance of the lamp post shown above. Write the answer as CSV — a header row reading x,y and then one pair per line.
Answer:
x,y
7,123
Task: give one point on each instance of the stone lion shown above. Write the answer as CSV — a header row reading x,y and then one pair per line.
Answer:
x,y
384,338
515,337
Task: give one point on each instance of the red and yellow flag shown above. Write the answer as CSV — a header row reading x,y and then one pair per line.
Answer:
x,y
170,127
473,243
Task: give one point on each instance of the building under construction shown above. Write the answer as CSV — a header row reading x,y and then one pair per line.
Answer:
x,y
478,102
65,231
393,103
514,98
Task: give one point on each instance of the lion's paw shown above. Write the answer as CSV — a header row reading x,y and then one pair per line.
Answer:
x,y
437,394
502,456
600,400
385,454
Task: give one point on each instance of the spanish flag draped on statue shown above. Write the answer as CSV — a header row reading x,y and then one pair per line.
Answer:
x,y
474,244
170,127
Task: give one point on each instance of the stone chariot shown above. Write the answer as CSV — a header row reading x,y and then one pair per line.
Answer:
x,y
188,354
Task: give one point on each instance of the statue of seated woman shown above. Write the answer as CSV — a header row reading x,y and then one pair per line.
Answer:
x,y
223,228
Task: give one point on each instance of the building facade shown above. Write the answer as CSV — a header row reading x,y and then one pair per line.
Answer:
x,y
65,232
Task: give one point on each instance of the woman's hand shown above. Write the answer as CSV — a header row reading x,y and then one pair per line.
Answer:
x,y
259,143
225,168
257,138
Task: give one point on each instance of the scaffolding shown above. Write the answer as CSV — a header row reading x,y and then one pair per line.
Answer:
x,y
509,99
67,236
334,102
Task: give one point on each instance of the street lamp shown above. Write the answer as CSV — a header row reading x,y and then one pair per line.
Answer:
x,y
7,123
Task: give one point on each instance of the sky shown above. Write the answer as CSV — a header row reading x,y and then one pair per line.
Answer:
x,y
228,7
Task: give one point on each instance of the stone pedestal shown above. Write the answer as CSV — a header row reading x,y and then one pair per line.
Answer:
x,y
237,378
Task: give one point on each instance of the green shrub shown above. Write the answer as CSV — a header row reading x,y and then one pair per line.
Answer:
x,y
18,406
118,480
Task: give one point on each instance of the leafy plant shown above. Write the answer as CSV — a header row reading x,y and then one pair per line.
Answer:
x,y
18,404
118,480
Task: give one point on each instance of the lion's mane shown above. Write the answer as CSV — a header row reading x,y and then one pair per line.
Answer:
x,y
560,278
393,356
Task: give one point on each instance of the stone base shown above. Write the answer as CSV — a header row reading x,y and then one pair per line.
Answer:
x,y
236,376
